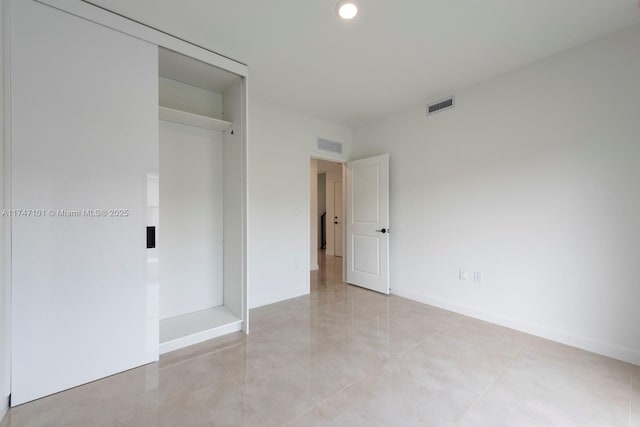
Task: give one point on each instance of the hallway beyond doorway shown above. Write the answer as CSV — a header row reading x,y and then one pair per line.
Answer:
x,y
329,272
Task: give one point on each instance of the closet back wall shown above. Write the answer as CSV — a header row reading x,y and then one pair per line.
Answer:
x,y
190,233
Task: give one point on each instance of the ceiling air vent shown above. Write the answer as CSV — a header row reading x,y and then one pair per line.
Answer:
x,y
441,105
328,145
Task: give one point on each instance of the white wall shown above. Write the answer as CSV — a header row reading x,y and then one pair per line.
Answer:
x,y
191,219
533,180
5,296
313,214
280,144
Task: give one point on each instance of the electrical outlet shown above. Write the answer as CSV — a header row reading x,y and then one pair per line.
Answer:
x,y
463,274
477,277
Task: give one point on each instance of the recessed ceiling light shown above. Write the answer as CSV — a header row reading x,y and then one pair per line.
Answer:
x,y
347,9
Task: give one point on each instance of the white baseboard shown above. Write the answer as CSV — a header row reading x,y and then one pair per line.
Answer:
x,y
624,354
315,267
271,299
4,406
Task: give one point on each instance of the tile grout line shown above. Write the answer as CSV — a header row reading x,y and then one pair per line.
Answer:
x,y
515,356
168,402
537,422
480,396
504,368
379,369
170,365
362,322
246,401
426,340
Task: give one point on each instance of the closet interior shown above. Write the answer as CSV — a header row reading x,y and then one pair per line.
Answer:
x,y
198,213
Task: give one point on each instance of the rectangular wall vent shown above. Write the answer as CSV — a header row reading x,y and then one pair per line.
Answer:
x,y
444,104
328,145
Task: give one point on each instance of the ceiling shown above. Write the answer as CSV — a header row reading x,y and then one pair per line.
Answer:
x,y
394,55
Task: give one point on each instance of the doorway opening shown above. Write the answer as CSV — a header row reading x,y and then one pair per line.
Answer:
x,y
327,219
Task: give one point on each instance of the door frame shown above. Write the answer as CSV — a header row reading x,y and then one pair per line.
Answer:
x,y
343,162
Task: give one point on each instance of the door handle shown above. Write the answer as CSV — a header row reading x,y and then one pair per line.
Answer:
x,y
151,237
382,230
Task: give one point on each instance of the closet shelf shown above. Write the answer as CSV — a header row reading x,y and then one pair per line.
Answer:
x,y
190,119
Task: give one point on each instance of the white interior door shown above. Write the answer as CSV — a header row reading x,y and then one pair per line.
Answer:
x,y
338,220
368,223
84,121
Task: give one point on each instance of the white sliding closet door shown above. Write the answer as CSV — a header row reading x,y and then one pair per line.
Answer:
x,y
84,123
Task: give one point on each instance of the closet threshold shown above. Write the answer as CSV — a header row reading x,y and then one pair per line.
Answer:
x,y
188,329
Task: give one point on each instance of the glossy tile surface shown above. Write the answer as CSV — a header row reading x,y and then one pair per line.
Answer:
x,y
634,408
558,385
344,356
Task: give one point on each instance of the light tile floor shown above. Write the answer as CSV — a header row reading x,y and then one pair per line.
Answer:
x,y
344,356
